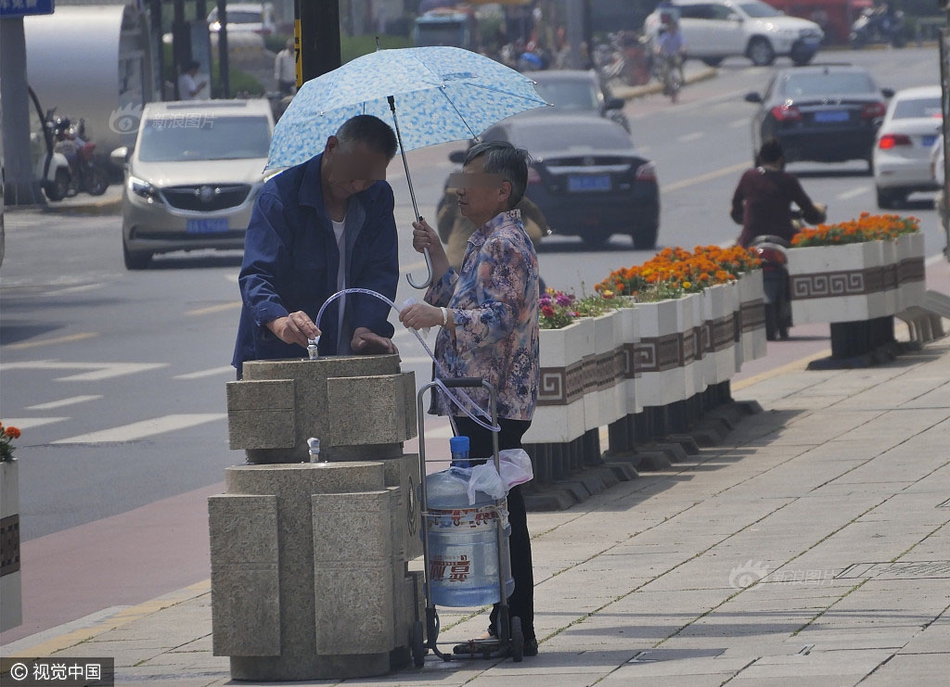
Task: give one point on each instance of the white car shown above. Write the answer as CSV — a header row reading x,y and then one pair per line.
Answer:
x,y
902,163
716,29
193,176
244,17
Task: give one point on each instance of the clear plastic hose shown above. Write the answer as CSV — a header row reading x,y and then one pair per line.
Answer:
x,y
439,369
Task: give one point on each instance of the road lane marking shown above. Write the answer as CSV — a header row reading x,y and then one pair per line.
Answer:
x,y
709,176
145,428
50,342
853,193
63,402
30,422
695,136
934,259
211,309
98,371
738,124
210,372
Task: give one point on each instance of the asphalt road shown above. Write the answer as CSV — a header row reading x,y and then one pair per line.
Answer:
x,y
117,378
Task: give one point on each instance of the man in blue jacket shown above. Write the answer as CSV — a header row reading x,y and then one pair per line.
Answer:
x,y
316,229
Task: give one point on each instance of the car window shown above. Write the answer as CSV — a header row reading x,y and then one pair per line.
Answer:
x,y
245,17
167,138
720,12
841,83
695,12
562,136
917,107
569,95
759,10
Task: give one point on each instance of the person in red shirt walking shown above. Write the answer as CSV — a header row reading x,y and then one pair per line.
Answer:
x,y
762,203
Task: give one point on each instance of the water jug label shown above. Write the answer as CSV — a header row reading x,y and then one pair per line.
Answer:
x,y
466,518
458,569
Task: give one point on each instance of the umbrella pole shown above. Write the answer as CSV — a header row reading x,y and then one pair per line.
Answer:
x,y
412,195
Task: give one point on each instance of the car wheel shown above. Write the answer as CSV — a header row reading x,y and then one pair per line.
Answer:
x,y
888,199
59,187
801,56
135,261
761,52
712,61
644,238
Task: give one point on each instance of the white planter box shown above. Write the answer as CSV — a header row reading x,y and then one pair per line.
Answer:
x,y
628,334
691,324
911,278
752,316
604,401
720,305
11,613
560,414
660,352
841,283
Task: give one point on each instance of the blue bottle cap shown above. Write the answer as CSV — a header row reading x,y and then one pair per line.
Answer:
x,y
459,444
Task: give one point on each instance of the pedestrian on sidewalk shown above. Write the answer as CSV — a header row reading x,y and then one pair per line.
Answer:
x,y
285,69
316,229
188,88
488,311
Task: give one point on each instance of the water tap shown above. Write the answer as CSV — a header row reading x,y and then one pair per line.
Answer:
x,y
313,351
314,445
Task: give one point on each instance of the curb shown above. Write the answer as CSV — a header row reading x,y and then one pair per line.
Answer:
x,y
103,207
632,92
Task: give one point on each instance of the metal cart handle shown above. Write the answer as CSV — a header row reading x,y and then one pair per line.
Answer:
x,y
457,382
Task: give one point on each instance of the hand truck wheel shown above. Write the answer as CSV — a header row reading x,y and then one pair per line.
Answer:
x,y
418,645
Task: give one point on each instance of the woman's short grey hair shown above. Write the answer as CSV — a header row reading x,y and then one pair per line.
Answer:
x,y
373,131
503,158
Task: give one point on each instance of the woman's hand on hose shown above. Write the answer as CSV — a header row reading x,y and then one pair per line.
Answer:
x,y
423,316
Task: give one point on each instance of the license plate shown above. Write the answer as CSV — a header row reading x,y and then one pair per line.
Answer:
x,y
928,141
831,116
207,226
588,182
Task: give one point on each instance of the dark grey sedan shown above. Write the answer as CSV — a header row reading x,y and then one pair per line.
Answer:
x,y
820,113
586,176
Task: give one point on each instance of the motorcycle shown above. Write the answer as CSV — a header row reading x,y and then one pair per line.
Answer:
x,y
70,165
876,25
771,251
672,75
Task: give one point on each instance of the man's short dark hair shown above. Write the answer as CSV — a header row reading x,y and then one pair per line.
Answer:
x,y
503,158
191,64
770,152
370,130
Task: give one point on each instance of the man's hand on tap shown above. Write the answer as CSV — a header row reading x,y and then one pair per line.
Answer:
x,y
296,328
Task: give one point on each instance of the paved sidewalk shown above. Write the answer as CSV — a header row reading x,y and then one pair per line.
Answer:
x,y
810,549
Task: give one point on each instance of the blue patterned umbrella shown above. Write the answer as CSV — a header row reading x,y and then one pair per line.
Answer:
x,y
442,94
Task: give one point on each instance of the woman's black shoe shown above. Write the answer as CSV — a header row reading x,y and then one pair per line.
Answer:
x,y
531,647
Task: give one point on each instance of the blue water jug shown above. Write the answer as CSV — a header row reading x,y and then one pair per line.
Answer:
x,y
463,550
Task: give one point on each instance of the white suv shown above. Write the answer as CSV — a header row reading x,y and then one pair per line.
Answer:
x,y
717,29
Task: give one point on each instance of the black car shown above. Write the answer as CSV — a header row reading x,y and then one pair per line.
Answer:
x,y
576,91
586,176
821,113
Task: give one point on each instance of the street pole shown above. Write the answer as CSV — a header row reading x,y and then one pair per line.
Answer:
x,y
317,33
224,64
945,108
20,188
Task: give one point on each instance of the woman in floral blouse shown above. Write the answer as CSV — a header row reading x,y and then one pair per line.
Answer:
x,y
488,312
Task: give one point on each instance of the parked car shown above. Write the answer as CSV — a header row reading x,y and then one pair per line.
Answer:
x,y
717,29
578,91
193,176
902,162
244,17
586,176
821,113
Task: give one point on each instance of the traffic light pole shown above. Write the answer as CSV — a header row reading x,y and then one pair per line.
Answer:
x,y
945,108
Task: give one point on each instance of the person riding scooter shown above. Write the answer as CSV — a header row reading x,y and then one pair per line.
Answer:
x,y
763,199
762,204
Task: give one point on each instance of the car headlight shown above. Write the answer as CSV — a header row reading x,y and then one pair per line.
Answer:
x,y
142,189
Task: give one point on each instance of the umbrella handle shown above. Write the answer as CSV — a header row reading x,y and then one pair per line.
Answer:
x,y
428,280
